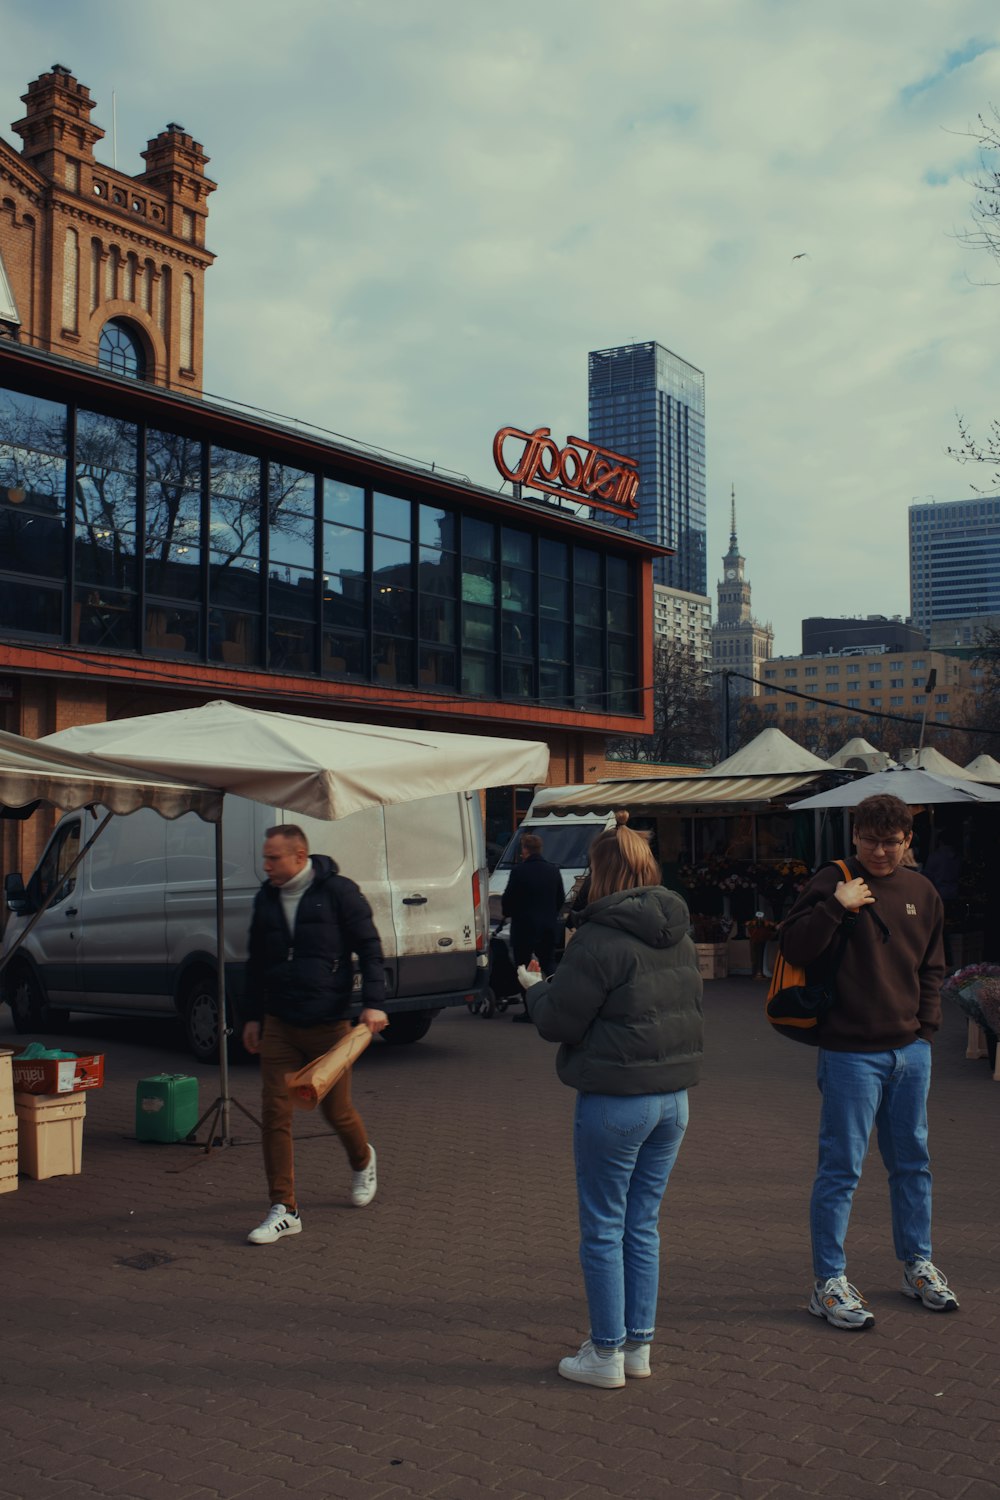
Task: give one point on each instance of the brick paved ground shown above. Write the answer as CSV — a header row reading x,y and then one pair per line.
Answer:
x,y
409,1349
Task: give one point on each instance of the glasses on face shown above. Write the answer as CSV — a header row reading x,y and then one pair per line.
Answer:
x,y
891,846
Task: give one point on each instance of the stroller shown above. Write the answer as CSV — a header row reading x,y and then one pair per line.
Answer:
x,y
504,989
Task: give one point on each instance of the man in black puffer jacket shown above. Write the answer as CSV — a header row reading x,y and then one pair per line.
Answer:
x,y
307,921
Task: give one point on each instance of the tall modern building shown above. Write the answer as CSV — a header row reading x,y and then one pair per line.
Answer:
x,y
649,404
954,561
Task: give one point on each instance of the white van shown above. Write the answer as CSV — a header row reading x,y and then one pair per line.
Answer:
x,y
566,841
132,931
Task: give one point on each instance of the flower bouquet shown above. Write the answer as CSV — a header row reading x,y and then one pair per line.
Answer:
x,y
706,929
976,987
761,931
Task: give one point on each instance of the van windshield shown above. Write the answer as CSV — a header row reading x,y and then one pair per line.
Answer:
x,y
564,845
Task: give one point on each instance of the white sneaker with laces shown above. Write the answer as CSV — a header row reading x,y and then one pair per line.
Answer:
x,y
923,1280
840,1304
280,1221
607,1371
364,1184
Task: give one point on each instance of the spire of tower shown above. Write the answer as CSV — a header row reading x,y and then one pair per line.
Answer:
x,y
733,546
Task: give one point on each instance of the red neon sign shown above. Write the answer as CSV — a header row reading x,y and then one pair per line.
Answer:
x,y
581,471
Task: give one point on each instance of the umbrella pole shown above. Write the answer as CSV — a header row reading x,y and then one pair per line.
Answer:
x,y
219,1132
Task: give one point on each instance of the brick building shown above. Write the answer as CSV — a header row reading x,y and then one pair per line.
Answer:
x,y
96,265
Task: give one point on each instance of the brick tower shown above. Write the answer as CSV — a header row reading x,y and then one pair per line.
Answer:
x,y
94,264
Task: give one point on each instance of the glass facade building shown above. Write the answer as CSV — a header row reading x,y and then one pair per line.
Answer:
x,y
648,404
137,524
954,560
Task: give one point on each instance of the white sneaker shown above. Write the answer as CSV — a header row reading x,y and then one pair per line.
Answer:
x,y
590,1368
923,1280
364,1184
840,1304
280,1221
637,1361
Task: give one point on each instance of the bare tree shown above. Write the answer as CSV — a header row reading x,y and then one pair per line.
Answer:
x,y
684,713
984,236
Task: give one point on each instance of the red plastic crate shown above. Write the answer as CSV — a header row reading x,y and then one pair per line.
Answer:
x,y
52,1075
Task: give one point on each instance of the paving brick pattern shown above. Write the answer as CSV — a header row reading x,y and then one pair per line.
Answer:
x,y
409,1349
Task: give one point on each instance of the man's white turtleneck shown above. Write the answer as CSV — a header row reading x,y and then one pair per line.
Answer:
x,y
293,890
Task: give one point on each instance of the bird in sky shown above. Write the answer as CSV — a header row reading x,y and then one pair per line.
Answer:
x,y
802,255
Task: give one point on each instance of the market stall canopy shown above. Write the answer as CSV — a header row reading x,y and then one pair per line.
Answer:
x,y
771,753
770,766
33,772
984,768
860,754
929,759
915,788
313,766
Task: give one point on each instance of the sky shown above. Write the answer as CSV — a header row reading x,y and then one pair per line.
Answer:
x,y
429,211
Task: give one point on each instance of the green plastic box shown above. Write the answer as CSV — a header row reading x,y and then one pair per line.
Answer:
x,y
166,1107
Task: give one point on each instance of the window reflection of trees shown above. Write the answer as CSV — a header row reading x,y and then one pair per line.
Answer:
x,y
32,486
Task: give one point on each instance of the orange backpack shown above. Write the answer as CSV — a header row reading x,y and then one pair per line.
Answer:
x,y
795,1006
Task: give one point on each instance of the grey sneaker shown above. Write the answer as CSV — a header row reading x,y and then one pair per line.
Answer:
x,y
590,1368
637,1361
923,1280
840,1304
364,1184
280,1221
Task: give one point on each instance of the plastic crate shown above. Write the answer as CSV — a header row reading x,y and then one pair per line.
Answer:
x,y
50,1134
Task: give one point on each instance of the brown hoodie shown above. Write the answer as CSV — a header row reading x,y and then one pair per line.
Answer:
x,y
888,981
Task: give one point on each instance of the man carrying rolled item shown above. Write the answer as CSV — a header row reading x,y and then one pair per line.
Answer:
x,y
874,1065
307,921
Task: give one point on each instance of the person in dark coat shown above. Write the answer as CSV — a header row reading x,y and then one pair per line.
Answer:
x,y
307,921
533,900
625,1005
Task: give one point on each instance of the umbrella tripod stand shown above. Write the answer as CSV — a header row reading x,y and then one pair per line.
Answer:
x,y
219,1130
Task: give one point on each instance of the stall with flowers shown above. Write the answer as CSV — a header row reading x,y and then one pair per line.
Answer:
x,y
976,990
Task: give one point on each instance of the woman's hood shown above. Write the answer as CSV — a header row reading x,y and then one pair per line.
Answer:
x,y
650,913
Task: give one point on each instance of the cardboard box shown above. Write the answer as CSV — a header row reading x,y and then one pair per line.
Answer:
x,y
50,1075
50,1134
713,960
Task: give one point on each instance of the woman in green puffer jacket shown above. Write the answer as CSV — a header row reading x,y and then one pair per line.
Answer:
x,y
625,1004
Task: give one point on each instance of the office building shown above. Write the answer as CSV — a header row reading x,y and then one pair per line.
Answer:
x,y
649,404
685,620
954,561
860,633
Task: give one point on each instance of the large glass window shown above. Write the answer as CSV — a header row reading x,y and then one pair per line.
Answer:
x,y
344,581
291,569
105,537
437,582
393,657
517,614
120,350
32,513
173,544
479,602
234,557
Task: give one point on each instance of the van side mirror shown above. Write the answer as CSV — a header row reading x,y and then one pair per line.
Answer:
x,y
17,896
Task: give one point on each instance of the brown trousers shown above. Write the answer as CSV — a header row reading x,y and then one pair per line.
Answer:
x,y
285,1049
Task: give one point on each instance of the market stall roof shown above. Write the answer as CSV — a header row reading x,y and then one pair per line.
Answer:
x,y
862,751
929,759
984,768
314,766
604,796
33,773
914,787
771,753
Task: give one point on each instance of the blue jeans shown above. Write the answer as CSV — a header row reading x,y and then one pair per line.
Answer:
x,y
624,1148
862,1089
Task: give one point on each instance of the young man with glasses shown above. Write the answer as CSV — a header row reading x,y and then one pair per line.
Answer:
x,y
874,1068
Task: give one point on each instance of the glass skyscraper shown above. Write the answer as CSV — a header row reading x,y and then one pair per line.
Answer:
x,y
649,405
954,560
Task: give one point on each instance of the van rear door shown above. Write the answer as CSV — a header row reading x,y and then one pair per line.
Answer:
x,y
432,870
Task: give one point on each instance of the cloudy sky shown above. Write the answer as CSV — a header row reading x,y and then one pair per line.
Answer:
x,y
430,210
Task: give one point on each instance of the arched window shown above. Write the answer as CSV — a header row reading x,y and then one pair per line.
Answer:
x,y
120,350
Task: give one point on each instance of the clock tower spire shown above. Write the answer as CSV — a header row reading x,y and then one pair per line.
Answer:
x,y
739,642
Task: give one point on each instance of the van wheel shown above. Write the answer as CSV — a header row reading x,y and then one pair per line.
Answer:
x,y
408,1027
201,1019
30,1007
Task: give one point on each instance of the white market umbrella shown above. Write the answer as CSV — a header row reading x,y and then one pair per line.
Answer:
x,y
915,788
770,753
929,759
314,766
